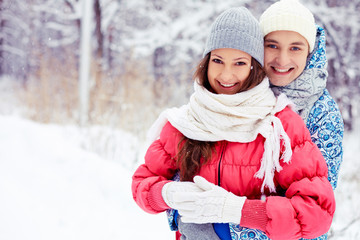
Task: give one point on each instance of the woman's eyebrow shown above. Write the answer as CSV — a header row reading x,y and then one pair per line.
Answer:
x,y
215,55
235,59
240,58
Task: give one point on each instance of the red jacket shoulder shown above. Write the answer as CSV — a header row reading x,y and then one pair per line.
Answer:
x,y
294,126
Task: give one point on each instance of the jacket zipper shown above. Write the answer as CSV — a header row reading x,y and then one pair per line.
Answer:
x,y
219,167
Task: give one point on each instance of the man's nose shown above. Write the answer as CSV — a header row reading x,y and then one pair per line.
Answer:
x,y
282,58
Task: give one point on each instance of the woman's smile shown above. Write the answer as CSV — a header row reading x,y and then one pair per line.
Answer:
x,y
227,85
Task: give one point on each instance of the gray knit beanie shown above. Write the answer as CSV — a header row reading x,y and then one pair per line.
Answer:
x,y
237,28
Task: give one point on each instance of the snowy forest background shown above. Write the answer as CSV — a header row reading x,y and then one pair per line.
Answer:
x,y
142,55
141,51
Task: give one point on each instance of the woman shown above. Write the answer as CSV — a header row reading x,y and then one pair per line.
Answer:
x,y
250,156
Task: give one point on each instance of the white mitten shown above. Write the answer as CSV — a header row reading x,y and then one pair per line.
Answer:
x,y
170,189
213,205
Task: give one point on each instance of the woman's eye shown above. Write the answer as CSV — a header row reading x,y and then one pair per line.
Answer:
x,y
215,60
295,49
240,63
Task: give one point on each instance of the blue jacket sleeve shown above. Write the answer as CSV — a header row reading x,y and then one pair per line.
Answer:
x,y
326,127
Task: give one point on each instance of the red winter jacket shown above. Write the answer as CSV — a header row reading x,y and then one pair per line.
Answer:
x,y
305,204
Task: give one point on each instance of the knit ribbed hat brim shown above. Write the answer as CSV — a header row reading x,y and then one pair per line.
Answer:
x,y
289,15
237,28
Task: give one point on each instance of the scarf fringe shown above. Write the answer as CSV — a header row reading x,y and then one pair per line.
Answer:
x,y
270,161
273,145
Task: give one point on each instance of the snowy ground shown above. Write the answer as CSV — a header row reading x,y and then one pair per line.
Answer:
x,y
50,188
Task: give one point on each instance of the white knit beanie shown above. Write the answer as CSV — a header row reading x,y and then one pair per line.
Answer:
x,y
237,28
289,15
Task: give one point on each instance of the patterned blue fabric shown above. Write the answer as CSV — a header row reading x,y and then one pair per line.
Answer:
x,y
326,128
317,59
238,233
172,214
172,219
325,122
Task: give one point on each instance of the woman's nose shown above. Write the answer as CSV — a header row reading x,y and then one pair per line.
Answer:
x,y
226,74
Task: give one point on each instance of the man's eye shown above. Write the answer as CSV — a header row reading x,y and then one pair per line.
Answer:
x,y
295,49
271,46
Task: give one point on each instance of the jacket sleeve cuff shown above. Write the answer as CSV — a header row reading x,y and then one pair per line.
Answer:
x,y
155,198
254,215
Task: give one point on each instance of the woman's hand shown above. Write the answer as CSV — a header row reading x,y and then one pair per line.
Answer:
x,y
212,204
172,189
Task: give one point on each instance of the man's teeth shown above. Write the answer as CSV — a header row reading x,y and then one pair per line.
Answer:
x,y
281,70
227,85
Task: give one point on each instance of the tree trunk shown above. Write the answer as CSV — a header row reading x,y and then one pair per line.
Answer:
x,y
85,60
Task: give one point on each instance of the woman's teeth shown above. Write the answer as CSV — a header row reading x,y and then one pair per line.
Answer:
x,y
227,85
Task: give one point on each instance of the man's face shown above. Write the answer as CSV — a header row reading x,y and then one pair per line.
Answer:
x,y
285,56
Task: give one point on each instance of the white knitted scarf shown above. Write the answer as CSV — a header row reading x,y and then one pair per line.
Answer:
x,y
236,118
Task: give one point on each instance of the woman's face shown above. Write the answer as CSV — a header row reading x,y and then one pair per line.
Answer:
x,y
228,69
285,56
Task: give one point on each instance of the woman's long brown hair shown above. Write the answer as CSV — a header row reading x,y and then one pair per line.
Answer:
x,y
193,153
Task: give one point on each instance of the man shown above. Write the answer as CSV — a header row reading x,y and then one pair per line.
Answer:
x,y
295,62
